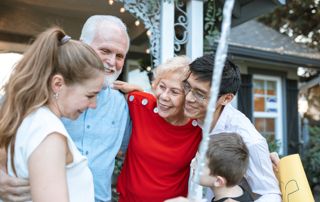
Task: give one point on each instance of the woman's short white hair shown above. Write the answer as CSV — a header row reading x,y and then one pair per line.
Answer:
x,y
89,28
177,65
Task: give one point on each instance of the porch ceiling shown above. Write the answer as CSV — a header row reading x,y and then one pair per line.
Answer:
x,y
20,20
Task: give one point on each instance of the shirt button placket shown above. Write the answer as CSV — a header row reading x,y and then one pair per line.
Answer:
x,y
85,141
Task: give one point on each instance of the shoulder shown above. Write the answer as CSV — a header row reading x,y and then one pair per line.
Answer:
x,y
111,98
142,101
141,94
36,127
234,119
141,98
42,121
116,92
237,122
42,115
235,115
111,93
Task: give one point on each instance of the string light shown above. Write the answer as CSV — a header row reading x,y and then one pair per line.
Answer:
x,y
122,10
111,2
147,50
148,33
148,68
137,22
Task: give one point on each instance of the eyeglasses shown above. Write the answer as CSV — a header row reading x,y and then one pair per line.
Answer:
x,y
198,95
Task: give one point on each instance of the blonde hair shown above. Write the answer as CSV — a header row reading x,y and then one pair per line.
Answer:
x,y
28,87
177,65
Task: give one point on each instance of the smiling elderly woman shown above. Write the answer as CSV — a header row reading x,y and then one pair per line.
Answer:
x,y
163,140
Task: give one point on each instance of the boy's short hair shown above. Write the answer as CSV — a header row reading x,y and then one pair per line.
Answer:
x,y
202,69
228,157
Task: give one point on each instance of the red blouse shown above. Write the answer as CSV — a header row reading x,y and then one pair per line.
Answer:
x,y
157,162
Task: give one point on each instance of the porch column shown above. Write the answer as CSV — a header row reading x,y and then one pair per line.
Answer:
x,y
195,28
167,30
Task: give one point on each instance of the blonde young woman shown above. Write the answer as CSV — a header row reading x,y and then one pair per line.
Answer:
x,y
57,77
163,140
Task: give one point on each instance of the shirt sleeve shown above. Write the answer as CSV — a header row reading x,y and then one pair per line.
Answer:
x,y
260,174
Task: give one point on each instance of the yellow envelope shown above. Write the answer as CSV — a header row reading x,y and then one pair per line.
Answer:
x,y
293,180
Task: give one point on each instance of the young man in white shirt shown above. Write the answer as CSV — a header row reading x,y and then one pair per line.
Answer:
x,y
226,118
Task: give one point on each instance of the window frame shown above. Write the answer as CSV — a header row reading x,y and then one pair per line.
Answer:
x,y
277,115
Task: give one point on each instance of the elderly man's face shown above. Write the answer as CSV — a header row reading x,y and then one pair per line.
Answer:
x,y
111,44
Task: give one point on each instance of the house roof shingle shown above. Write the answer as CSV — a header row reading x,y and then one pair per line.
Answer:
x,y
259,38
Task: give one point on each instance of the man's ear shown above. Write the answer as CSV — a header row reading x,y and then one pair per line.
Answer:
x,y
220,181
227,98
56,83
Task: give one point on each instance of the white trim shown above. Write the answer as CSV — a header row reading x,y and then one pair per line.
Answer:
x,y
167,31
266,114
195,29
277,115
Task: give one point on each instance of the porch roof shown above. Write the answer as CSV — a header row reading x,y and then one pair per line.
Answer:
x,y
253,39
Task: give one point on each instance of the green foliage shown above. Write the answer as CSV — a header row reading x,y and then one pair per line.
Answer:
x,y
118,166
311,160
274,144
298,19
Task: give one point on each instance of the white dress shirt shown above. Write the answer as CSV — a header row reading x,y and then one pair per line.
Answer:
x,y
260,174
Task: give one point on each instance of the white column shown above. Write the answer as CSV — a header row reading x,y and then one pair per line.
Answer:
x,y
167,30
195,28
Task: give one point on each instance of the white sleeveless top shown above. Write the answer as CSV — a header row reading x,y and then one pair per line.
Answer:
x,y
32,131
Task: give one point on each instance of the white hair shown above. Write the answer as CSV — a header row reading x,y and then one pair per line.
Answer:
x,y
89,29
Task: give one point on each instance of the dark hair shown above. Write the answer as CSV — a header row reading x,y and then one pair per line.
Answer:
x,y
228,157
202,69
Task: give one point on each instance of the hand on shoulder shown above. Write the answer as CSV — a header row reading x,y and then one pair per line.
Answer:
x,y
125,87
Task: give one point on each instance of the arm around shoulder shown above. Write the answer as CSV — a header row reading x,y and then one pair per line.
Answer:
x,y
126,87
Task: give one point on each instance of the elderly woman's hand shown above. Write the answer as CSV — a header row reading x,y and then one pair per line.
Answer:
x,y
125,87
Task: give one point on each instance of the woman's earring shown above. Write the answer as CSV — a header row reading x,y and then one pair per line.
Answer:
x,y
56,95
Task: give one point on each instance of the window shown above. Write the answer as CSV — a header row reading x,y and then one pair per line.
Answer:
x,y
267,107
